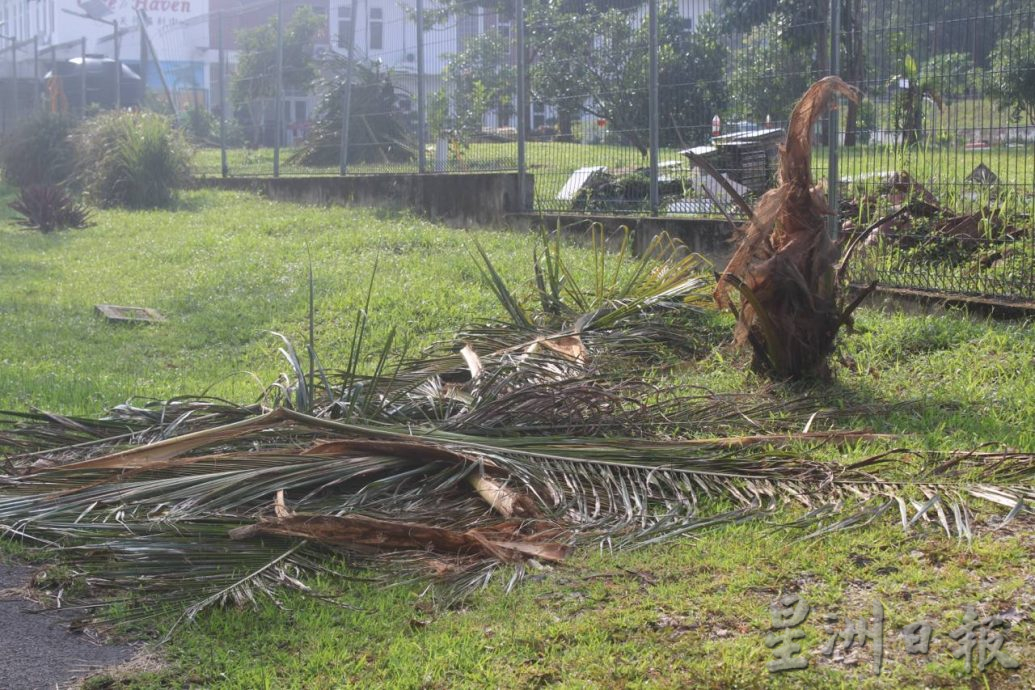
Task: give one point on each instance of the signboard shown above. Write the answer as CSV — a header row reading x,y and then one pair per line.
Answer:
x,y
178,28
159,12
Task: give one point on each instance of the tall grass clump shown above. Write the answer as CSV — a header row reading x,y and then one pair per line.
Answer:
x,y
39,151
131,160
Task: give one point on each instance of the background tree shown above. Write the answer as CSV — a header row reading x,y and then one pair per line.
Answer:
x,y
480,78
802,26
951,75
767,77
597,62
1012,74
911,87
254,83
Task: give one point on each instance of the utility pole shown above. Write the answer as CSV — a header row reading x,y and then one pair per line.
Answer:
x,y
82,78
14,80
833,173
522,106
652,106
346,97
143,50
118,66
36,72
422,134
279,101
224,168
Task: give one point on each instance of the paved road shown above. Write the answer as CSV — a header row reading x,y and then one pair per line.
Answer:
x,y
37,650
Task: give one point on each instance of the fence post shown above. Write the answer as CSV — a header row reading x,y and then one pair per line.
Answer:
x,y
278,101
35,73
143,67
223,167
346,96
118,67
157,63
422,135
82,78
14,81
833,137
522,105
652,106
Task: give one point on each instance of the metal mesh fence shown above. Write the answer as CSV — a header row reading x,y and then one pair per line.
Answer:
x,y
607,102
947,133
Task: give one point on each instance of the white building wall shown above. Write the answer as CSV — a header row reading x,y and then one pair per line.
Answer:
x,y
184,21
398,47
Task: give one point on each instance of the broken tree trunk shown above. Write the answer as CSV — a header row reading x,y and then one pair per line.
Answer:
x,y
785,267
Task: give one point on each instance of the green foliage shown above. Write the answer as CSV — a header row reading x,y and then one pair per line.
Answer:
x,y
952,75
867,120
131,160
767,76
596,61
1012,74
255,84
49,207
379,130
199,124
480,78
38,151
911,88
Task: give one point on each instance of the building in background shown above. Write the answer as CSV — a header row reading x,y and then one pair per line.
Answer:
x,y
173,45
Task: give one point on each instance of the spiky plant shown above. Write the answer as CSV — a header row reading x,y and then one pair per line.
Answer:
x,y
48,208
39,151
131,160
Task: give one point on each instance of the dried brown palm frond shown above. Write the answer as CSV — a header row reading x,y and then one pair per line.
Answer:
x,y
785,267
222,513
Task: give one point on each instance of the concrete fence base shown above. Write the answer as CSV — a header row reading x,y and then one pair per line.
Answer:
x,y
457,199
707,237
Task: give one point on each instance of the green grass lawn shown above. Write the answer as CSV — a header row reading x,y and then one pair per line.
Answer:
x,y
225,268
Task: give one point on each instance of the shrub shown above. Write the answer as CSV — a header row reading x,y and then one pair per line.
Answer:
x,y
39,151
198,124
132,160
48,208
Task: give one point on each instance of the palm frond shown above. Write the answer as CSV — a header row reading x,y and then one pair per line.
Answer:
x,y
218,495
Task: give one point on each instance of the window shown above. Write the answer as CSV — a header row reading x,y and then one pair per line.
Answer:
x,y
377,28
503,29
344,25
538,114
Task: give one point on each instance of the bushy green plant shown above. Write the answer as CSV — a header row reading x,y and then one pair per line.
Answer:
x,y
39,151
200,125
131,160
1012,85
49,207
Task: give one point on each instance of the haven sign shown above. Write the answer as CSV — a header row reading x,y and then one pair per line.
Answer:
x,y
156,12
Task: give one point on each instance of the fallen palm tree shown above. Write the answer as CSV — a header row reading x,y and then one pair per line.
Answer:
x,y
786,265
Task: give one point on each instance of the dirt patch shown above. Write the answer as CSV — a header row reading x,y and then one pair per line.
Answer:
x,y
37,649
